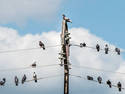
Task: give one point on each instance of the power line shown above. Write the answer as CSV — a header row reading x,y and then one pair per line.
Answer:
x,y
52,46
65,45
52,76
93,80
29,67
90,68
112,50
27,49
76,66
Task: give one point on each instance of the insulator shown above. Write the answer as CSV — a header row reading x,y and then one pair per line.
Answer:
x,y
67,38
67,34
62,53
62,58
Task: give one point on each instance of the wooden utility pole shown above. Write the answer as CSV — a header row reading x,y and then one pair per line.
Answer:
x,y
65,52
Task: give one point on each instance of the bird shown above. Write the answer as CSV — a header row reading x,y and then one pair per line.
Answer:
x,y
34,65
35,77
65,18
41,45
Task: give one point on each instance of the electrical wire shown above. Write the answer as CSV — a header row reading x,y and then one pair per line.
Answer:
x,y
95,48
27,49
93,80
90,68
48,65
76,66
29,67
52,46
52,76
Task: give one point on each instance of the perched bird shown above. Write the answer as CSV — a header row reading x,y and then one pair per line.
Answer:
x,y
35,77
99,79
34,65
2,83
65,18
117,50
109,83
98,47
82,44
24,79
89,78
16,81
106,49
41,45
119,85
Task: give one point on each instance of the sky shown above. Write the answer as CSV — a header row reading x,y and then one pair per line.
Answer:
x,y
104,18
26,22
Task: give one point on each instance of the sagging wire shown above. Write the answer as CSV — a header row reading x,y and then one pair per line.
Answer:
x,y
92,80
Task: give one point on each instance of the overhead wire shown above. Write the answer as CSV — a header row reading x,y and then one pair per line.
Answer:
x,y
27,49
78,76
49,65
112,50
90,68
29,67
52,76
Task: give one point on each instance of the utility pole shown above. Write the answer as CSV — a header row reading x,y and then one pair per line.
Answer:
x,y
65,52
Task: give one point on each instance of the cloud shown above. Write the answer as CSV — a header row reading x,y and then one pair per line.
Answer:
x,y
19,11
10,39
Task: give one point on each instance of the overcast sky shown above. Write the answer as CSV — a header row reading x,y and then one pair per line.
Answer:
x,y
23,23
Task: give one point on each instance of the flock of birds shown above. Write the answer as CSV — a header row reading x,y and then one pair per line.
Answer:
x,y
106,49
108,82
24,78
99,79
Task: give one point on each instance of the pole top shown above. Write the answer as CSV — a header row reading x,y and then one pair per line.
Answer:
x,y
66,19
